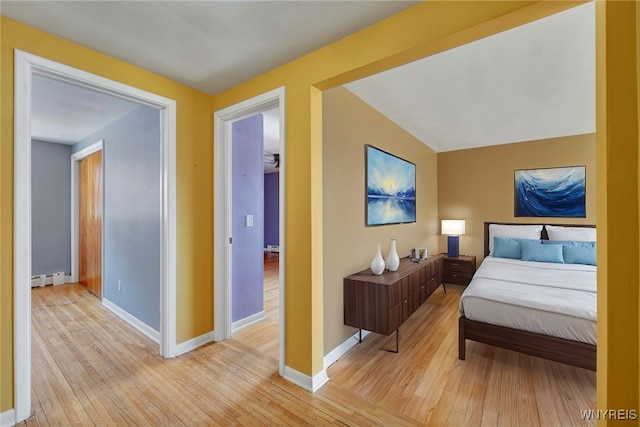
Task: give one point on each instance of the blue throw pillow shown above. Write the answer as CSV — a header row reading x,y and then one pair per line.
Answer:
x,y
578,243
579,254
506,247
542,253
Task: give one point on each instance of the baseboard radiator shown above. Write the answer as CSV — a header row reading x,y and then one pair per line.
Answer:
x,y
48,279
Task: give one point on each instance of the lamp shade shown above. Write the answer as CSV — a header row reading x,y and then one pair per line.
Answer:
x,y
453,227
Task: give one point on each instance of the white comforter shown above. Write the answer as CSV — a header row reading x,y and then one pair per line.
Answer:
x,y
563,289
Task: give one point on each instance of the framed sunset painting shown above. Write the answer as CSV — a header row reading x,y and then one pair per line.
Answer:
x,y
391,188
551,192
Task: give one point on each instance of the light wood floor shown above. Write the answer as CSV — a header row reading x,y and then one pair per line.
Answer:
x,y
89,368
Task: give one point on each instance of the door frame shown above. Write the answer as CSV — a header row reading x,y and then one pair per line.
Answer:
x,y
223,119
75,209
26,65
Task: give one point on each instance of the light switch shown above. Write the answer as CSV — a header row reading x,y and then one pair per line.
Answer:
x,y
249,220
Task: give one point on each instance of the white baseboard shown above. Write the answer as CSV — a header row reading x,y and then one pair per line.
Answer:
x,y
248,321
308,383
314,383
7,418
335,354
136,323
192,344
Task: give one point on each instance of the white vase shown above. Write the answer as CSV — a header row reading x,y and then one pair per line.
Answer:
x,y
393,260
377,264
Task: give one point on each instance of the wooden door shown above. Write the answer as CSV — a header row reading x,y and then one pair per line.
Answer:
x,y
90,233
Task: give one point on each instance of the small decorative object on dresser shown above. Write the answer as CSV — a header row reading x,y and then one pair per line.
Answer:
x,y
419,254
393,260
459,270
377,264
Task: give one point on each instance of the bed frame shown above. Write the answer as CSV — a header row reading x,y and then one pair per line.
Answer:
x,y
561,350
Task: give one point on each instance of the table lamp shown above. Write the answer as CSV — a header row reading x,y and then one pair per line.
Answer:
x,y
453,228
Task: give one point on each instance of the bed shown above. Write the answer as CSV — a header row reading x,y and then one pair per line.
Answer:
x,y
532,301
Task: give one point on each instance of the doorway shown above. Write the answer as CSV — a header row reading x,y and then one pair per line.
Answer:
x,y
254,256
26,66
223,265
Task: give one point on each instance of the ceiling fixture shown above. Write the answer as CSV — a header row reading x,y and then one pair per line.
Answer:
x,y
272,158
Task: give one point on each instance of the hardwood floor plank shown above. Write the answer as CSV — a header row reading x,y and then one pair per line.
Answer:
x,y
90,368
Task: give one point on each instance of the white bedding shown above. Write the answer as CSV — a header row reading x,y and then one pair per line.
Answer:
x,y
546,298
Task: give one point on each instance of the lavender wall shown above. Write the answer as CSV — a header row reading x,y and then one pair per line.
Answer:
x,y
247,199
272,209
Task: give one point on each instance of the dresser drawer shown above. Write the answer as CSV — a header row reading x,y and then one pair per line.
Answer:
x,y
461,266
459,270
457,278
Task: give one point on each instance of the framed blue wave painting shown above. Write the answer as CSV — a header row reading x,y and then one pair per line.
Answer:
x,y
551,192
391,188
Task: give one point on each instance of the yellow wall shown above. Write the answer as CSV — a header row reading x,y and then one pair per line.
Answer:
x,y
618,107
477,184
426,29
194,178
349,246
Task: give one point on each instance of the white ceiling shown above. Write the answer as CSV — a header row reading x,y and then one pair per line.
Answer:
x,y
209,45
532,82
66,113
271,137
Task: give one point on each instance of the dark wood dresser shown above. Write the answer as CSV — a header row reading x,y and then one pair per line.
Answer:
x,y
382,303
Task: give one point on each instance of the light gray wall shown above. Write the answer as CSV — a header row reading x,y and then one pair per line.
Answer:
x,y
50,208
131,213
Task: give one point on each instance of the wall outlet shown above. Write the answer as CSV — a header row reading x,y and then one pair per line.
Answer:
x,y
249,220
119,284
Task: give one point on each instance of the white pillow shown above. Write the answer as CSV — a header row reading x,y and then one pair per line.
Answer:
x,y
513,231
583,234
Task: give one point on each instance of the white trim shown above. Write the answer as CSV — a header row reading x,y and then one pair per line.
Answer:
x,y
22,238
308,383
335,354
7,418
133,321
25,65
192,344
281,226
222,192
75,204
248,321
168,227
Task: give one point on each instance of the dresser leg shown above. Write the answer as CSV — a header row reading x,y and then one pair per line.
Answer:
x,y
444,287
397,340
360,335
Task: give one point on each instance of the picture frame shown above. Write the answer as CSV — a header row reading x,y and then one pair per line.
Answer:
x,y
390,188
550,192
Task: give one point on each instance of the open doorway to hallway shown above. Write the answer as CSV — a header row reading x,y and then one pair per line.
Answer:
x,y
255,281
164,110
233,222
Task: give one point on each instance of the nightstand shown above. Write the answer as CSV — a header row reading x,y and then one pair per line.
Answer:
x,y
459,270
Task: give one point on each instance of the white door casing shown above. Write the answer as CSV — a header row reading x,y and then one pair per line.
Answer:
x,y
25,66
222,206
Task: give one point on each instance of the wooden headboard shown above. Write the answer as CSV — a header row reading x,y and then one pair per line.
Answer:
x,y
543,234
